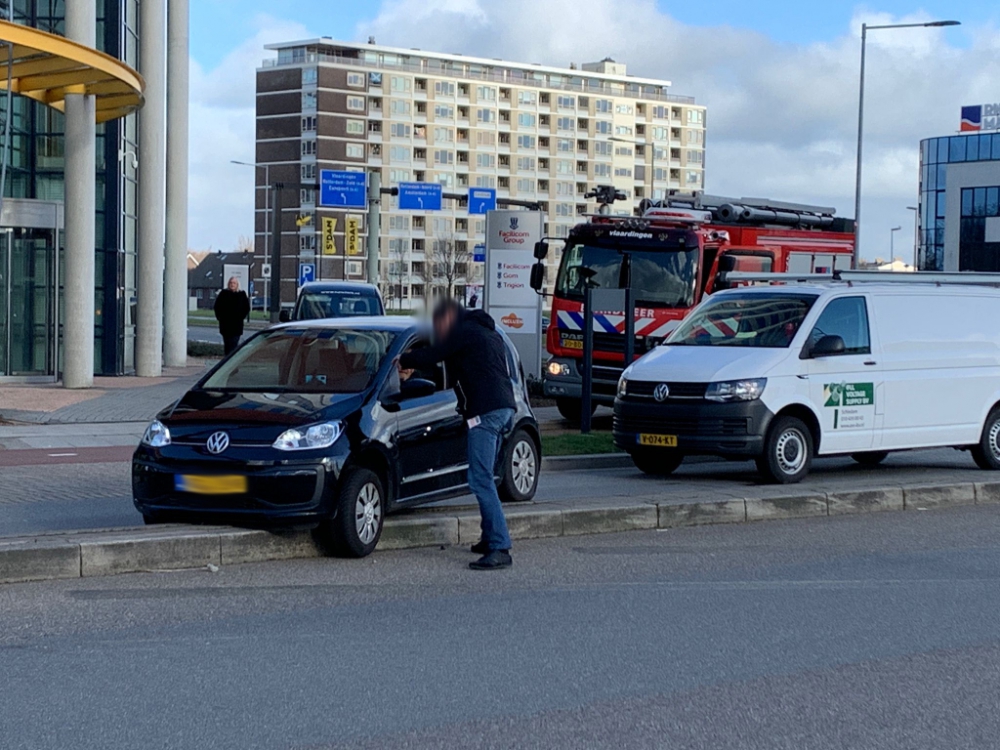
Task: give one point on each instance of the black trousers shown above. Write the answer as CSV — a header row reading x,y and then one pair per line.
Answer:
x,y
229,343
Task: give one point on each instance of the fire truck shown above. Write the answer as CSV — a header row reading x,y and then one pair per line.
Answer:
x,y
671,255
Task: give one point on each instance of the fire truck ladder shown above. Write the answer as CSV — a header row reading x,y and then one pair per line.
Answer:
x,y
755,211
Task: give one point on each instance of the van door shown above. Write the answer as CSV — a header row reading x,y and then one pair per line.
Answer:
x,y
842,387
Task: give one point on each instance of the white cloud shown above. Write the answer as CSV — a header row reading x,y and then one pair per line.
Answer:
x,y
782,117
223,128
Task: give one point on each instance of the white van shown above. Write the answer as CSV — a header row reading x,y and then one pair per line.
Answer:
x,y
783,373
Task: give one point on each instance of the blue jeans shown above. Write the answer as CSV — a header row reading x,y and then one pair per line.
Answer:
x,y
484,447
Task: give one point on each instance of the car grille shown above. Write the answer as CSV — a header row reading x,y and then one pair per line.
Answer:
x,y
644,389
682,425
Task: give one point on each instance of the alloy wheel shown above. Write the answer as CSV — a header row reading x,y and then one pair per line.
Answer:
x,y
368,512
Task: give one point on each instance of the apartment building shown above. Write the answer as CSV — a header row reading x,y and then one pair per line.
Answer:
x,y
534,133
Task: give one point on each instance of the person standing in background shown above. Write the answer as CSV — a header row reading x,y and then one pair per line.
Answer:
x,y
232,307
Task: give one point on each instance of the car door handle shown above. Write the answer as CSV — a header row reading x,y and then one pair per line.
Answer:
x,y
871,362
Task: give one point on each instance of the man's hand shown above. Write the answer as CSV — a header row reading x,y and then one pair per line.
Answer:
x,y
404,375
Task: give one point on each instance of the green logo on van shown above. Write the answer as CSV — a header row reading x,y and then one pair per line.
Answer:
x,y
849,394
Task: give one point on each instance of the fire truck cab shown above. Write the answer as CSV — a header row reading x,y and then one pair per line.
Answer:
x,y
671,256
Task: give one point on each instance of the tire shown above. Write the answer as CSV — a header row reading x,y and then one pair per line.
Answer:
x,y
987,453
356,528
870,458
657,463
572,408
788,451
521,465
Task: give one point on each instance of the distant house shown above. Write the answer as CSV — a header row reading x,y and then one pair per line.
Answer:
x,y
207,278
195,257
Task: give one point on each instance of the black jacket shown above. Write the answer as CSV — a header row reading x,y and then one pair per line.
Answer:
x,y
476,357
231,309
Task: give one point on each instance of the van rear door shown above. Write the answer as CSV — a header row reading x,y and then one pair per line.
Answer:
x,y
842,387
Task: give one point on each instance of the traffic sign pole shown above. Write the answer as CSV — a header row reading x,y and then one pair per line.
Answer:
x,y
274,304
374,209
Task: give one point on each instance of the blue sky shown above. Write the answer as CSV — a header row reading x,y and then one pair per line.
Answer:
x,y
779,78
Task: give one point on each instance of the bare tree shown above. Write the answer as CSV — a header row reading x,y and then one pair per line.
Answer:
x,y
245,244
449,262
397,270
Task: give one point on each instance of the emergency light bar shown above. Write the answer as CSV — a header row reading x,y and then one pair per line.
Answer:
x,y
877,277
682,215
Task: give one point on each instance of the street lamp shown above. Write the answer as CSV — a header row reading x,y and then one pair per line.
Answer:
x,y
892,244
267,211
865,28
916,233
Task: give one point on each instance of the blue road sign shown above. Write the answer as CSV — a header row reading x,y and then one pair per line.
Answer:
x,y
341,189
307,273
420,196
479,254
482,200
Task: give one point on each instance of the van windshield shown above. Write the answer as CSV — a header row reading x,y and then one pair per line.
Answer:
x,y
745,320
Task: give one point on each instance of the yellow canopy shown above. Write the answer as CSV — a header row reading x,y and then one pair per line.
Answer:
x,y
46,67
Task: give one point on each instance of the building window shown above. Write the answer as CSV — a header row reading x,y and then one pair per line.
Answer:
x,y
399,175
624,151
444,88
486,138
695,136
308,172
355,127
399,154
602,105
525,186
444,157
623,172
525,164
602,127
444,111
624,109
356,103
603,148
696,116
309,123
564,144
356,80
399,223
661,134
444,135
564,123
566,102
602,170
526,120
695,157
660,113
486,160
308,101
400,107
527,97
307,196
445,179
309,76
526,141
399,130
400,84
486,181
693,178
354,151
486,115
309,147
486,94
623,130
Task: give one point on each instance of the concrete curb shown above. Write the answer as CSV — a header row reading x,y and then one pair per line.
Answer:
x,y
99,553
584,462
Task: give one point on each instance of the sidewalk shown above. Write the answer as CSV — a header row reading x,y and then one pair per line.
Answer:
x,y
112,400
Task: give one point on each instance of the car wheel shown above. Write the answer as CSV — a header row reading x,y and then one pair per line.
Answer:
x,y
788,451
987,453
657,463
571,409
357,526
520,469
870,458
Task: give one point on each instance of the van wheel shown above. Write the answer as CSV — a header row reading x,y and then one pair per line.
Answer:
x,y
870,458
356,528
571,409
657,463
788,451
520,469
987,453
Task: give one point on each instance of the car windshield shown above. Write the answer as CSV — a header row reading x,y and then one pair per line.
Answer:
x,y
745,320
304,360
336,304
660,278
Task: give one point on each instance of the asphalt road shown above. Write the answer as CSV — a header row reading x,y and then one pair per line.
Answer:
x,y
860,632
205,333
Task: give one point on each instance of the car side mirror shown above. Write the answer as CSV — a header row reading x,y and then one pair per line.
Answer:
x,y
827,346
538,276
541,250
284,316
416,388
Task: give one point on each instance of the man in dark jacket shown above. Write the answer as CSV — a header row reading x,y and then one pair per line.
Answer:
x,y
232,307
476,356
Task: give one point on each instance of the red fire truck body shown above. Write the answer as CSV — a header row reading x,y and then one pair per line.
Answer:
x,y
673,256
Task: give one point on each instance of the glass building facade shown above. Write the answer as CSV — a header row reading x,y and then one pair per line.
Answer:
x,y
31,280
974,252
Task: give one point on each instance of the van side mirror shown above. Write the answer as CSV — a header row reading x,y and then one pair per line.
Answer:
x,y
538,276
284,316
827,346
541,250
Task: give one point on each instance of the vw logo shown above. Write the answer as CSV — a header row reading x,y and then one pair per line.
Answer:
x,y
217,442
661,392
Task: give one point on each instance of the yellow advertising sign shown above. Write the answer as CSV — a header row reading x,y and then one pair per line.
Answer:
x,y
353,236
329,240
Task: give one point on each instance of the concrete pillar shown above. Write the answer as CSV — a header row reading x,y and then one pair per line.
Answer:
x,y
152,166
175,287
80,231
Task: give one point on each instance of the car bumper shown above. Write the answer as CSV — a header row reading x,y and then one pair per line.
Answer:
x,y
291,492
735,430
570,386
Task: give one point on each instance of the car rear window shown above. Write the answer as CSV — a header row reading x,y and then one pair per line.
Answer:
x,y
336,304
303,360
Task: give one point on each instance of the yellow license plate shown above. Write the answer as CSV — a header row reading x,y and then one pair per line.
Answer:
x,y
572,344
660,441
217,485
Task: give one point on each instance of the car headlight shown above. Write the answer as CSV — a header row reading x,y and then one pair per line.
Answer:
x,y
309,438
736,390
157,435
558,368
622,386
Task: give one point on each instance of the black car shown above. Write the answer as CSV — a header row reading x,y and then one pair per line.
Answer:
x,y
308,423
335,299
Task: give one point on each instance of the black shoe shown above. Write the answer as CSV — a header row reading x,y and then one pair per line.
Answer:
x,y
480,548
498,558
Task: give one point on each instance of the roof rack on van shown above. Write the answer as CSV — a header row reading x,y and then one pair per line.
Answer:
x,y
878,277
